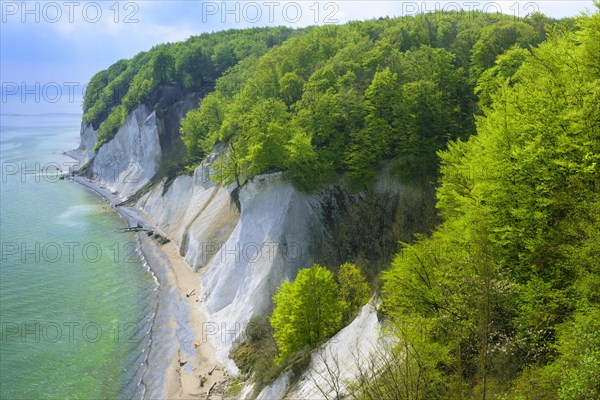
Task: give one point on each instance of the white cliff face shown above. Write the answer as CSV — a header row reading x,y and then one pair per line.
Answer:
x,y
245,250
89,139
277,389
269,244
336,364
128,161
245,255
340,361
194,212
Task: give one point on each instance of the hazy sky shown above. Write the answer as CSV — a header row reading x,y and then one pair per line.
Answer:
x,y
58,42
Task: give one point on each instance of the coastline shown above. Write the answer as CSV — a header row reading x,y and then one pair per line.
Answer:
x,y
179,364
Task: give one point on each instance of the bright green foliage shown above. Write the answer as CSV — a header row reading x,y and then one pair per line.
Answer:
x,y
192,66
408,371
302,161
506,283
373,143
307,310
354,289
265,131
291,88
200,127
498,38
578,367
494,78
361,94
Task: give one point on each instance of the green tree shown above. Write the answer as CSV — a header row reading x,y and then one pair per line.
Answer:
x,y
373,143
291,88
498,38
307,310
163,66
228,168
302,162
354,289
200,128
508,292
502,72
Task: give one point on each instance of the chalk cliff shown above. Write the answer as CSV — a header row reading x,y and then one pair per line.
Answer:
x,y
247,241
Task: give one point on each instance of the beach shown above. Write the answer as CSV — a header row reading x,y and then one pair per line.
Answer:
x,y
181,362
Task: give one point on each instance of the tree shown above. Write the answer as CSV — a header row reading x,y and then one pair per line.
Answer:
x,y
354,289
498,38
503,71
372,143
200,127
402,369
291,88
228,168
302,162
504,280
163,67
307,310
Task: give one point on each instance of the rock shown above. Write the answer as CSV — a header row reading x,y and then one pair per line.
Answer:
x,y
129,160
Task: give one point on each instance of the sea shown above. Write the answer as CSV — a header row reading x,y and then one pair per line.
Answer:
x,y
77,299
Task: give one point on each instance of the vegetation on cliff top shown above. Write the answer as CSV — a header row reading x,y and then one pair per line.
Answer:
x,y
342,99
193,65
501,300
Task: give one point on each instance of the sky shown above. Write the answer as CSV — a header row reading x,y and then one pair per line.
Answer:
x,y
50,49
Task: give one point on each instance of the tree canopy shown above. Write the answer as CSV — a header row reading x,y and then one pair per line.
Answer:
x,y
307,310
506,282
343,99
501,300
193,66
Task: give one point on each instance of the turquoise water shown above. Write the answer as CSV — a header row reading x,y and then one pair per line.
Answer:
x,y
75,299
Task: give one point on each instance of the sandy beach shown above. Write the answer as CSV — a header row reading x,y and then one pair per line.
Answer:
x,y
180,364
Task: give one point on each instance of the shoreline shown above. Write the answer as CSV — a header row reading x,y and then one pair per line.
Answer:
x,y
179,364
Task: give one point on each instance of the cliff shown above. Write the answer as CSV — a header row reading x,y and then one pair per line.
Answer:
x,y
245,242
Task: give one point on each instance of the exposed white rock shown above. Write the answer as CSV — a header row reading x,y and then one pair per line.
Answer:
x,y
89,138
246,390
341,359
277,389
246,250
246,255
129,160
195,212
269,244
337,363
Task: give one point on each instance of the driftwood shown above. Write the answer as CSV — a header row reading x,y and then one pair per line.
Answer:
x,y
190,293
213,369
210,390
160,239
137,228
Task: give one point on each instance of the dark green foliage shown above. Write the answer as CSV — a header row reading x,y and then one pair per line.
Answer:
x,y
355,95
354,290
193,65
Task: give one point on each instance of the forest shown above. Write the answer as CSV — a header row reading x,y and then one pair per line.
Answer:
x,y
501,115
